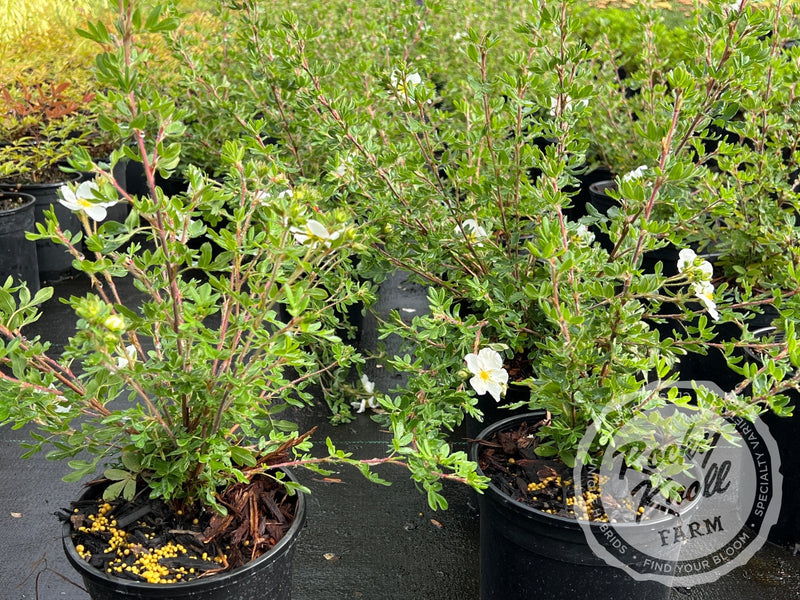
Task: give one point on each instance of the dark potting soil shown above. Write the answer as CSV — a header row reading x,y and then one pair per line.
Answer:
x,y
10,202
151,541
519,368
509,459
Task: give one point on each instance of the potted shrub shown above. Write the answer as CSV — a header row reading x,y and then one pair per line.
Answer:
x,y
43,124
182,370
47,109
512,277
18,253
584,372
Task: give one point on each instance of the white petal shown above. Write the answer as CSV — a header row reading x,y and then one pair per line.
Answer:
x,y
472,363
707,269
490,359
685,259
96,212
300,235
86,190
499,376
479,385
369,386
66,193
637,173
495,390
704,292
317,229
70,204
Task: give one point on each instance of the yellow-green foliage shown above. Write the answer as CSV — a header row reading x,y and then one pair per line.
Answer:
x,y
38,42
42,18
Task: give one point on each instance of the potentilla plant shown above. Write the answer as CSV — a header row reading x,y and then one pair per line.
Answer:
x,y
754,184
210,315
472,194
471,187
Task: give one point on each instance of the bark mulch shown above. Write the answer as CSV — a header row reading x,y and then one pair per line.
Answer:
x,y
149,540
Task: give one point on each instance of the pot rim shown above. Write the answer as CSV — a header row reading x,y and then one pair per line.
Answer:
x,y
47,185
601,186
84,568
760,332
28,198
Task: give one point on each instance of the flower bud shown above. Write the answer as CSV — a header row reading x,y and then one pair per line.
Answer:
x,y
114,323
90,309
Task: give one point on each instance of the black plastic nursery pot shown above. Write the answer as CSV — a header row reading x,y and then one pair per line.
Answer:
x,y
602,202
785,431
527,553
54,261
135,181
18,254
269,577
583,197
493,411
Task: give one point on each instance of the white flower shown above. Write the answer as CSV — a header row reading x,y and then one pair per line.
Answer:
x,y
344,167
637,173
82,200
569,104
704,291
688,263
341,170
127,358
402,86
369,388
314,232
475,233
459,35
733,7
489,376
584,234
264,198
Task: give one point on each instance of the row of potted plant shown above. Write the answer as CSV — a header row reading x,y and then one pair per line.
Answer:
x,y
307,182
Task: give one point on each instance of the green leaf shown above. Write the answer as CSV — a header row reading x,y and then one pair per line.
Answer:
x,y
113,491
116,474
242,456
81,469
545,451
129,491
43,295
131,461
153,18
168,24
